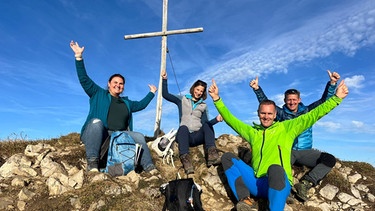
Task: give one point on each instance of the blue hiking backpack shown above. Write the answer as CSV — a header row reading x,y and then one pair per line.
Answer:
x,y
123,154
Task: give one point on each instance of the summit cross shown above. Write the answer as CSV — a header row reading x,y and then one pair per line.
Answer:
x,y
164,33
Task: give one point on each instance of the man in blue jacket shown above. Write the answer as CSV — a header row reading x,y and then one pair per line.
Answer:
x,y
319,162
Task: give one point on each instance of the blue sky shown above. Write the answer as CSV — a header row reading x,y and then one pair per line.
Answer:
x,y
288,44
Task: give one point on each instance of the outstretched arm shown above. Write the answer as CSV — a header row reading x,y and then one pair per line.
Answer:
x,y
261,96
329,89
237,125
302,122
332,85
86,82
168,96
258,90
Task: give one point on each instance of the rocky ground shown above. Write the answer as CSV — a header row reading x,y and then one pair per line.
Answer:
x,y
50,175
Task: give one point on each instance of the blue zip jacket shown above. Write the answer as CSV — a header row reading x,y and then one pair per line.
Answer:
x,y
100,99
304,140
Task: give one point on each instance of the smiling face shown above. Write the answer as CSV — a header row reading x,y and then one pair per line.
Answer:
x,y
116,86
292,101
267,113
198,92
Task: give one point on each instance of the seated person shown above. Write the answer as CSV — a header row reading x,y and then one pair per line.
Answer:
x,y
195,129
319,162
109,112
270,174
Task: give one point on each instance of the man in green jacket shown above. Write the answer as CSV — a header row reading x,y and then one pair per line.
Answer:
x,y
270,173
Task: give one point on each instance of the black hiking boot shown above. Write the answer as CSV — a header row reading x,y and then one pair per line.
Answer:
x,y
302,188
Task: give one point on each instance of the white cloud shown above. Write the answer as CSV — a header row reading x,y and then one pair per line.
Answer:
x,y
357,124
355,81
341,31
279,99
328,125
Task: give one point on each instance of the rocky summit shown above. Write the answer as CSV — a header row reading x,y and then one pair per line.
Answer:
x,y
51,175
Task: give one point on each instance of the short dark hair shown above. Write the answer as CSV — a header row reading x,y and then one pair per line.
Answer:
x,y
292,92
266,102
116,75
199,83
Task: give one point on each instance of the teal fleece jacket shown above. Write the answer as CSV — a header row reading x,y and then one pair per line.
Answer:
x,y
273,145
100,99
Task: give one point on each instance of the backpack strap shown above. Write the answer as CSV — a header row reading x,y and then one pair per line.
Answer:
x,y
104,148
165,205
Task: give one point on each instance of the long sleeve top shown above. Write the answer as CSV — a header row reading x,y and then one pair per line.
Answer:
x,y
100,99
304,140
193,115
273,145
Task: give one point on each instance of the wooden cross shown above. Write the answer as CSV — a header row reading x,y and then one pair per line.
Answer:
x,y
164,33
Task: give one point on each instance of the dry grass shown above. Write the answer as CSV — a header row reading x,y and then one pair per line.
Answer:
x,y
90,193
93,192
335,178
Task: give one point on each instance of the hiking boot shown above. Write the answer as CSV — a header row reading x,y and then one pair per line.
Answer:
x,y
93,164
302,188
246,204
213,157
290,200
185,160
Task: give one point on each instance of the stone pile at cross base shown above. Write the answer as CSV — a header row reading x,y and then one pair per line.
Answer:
x,y
48,173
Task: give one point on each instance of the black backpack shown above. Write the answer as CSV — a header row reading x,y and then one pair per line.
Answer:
x,y
182,195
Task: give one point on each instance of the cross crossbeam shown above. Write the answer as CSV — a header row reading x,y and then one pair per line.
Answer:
x,y
166,33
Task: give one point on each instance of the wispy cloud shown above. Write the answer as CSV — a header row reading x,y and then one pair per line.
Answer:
x,y
331,126
343,31
355,81
357,124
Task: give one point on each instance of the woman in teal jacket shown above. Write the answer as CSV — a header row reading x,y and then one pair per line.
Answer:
x,y
109,112
270,173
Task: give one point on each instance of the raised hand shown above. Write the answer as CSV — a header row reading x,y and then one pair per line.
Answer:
x,y
333,77
254,83
164,74
213,91
76,49
342,90
153,88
